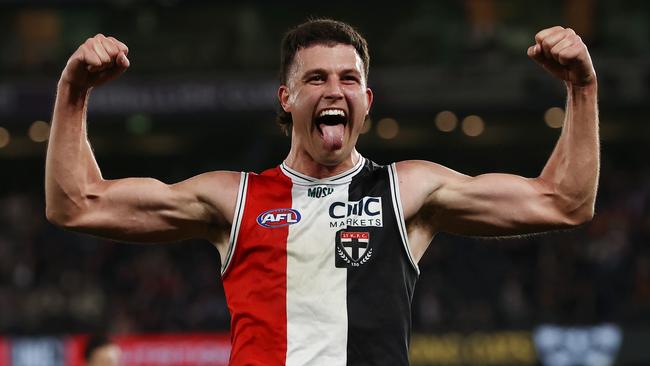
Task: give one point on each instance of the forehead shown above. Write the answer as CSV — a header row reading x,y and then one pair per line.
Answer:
x,y
331,58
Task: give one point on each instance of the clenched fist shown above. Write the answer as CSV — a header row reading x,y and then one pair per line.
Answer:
x,y
563,54
95,62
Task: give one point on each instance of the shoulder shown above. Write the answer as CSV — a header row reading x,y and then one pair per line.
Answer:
x,y
419,180
215,190
205,182
417,170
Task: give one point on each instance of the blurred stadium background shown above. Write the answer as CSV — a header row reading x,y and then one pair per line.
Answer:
x,y
452,84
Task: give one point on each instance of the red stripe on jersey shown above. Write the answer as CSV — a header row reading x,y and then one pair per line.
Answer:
x,y
256,280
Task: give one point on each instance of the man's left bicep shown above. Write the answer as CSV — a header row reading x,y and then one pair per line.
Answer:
x,y
496,205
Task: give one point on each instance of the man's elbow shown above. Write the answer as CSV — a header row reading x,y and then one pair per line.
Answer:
x,y
569,207
579,216
65,218
57,217
67,211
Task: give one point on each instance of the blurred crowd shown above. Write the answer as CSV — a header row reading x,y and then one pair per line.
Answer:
x,y
590,275
245,35
54,281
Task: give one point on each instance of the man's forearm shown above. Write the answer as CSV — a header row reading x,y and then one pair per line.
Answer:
x,y
70,166
573,168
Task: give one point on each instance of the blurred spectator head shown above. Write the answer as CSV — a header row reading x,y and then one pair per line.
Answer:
x,y
101,351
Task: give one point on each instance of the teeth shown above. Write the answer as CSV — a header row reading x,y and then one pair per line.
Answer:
x,y
332,112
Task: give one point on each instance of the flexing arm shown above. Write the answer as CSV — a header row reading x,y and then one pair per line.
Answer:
x,y
133,209
502,204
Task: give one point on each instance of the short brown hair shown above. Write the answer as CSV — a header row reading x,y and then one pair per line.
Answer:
x,y
319,31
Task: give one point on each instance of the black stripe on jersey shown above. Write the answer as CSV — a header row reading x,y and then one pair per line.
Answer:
x,y
379,291
236,220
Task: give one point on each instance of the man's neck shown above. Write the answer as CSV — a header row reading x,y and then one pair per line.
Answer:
x,y
305,164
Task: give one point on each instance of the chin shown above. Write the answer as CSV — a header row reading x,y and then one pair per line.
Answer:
x,y
329,159
332,158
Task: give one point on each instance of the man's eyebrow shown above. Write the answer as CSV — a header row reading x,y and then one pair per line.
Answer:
x,y
314,71
351,71
323,71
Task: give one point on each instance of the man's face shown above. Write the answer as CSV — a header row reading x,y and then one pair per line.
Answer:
x,y
327,96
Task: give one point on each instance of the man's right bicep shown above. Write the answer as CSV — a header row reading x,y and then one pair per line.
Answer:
x,y
148,210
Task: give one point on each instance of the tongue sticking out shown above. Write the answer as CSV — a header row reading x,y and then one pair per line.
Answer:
x,y
333,135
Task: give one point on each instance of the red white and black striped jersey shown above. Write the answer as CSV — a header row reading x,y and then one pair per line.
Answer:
x,y
318,271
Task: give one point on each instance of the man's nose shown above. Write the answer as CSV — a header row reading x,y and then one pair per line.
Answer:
x,y
333,89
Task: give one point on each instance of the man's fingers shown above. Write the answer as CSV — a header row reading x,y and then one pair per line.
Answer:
x,y
110,48
561,45
121,46
553,40
539,37
91,58
122,60
535,52
569,54
102,52
121,50
563,54
97,46
98,60
550,40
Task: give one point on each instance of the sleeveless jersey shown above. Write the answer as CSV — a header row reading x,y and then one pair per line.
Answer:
x,y
318,271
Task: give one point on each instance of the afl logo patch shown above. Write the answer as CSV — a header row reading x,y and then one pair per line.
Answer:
x,y
278,217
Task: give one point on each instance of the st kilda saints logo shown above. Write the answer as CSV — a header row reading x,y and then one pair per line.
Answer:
x,y
353,248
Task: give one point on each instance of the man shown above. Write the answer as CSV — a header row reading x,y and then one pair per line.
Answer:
x,y
323,250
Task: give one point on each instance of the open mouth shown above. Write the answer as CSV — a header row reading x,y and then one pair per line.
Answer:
x,y
331,123
330,117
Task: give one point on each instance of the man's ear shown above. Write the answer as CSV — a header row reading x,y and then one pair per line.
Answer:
x,y
369,97
283,97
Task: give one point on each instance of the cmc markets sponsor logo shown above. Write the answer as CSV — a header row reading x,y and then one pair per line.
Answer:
x,y
318,192
278,217
364,212
353,248
595,345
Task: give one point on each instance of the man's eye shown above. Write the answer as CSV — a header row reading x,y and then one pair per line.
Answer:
x,y
316,78
350,78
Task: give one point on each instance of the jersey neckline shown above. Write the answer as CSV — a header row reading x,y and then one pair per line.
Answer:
x,y
340,178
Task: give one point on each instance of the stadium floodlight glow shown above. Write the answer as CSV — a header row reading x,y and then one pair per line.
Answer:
x,y
387,128
39,131
139,124
446,121
554,117
473,125
5,137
